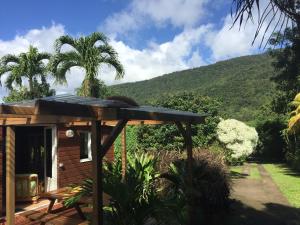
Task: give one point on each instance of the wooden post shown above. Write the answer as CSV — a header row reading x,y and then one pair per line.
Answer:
x,y
99,150
97,218
10,175
124,153
189,148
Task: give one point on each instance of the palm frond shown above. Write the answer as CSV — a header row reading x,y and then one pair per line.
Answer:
x,y
64,40
97,36
115,63
276,13
9,59
43,55
62,69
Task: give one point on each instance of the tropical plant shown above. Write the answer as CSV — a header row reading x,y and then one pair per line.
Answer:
x,y
294,122
281,13
239,139
134,200
210,188
89,53
30,66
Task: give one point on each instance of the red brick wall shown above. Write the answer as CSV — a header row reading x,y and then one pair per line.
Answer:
x,y
68,150
1,170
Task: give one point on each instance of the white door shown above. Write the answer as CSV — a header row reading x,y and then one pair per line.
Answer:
x,y
50,135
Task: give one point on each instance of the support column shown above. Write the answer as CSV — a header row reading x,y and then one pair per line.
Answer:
x,y
99,150
97,217
124,152
10,175
189,149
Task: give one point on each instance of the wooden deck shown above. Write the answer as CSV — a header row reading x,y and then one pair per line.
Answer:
x,y
57,217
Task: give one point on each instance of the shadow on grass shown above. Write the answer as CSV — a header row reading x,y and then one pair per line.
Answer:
x,y
286,169
241,214
237,175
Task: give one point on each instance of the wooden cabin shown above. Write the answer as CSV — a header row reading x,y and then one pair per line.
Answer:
x,y
64,139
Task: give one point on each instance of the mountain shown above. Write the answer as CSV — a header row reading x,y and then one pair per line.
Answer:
x,y
242,85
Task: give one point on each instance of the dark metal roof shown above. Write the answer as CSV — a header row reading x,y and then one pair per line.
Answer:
x,y
54,105
73,99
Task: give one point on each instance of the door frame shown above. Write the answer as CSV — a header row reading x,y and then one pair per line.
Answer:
x,y
51,183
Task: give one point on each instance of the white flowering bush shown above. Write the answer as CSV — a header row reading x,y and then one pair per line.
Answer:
x,y
239,139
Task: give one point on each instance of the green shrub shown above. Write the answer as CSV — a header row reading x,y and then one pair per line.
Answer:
x,y
167,136
211,182
238,139
131,143
272,144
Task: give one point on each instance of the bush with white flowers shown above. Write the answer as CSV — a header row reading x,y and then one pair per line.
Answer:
x,y
239,138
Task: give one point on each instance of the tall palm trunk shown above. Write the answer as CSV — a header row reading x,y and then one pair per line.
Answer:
x,y
30,81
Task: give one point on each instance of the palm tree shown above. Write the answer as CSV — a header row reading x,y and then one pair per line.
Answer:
x,y
281,13
28,66
88,52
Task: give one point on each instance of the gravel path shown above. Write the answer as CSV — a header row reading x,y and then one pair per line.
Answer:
x,y
259,201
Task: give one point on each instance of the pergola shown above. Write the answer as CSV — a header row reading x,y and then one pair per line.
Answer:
x,y
74,110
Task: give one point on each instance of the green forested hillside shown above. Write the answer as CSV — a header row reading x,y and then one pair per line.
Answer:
x,y
242,84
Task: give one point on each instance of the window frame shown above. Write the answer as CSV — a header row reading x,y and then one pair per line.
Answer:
x,y
89,158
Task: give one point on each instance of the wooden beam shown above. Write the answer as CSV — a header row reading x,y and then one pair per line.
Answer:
x,y
112,137
124,153
14,121
10,109
135,122
10,175
97,217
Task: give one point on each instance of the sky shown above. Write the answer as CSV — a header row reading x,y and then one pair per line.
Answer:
x,y
152,37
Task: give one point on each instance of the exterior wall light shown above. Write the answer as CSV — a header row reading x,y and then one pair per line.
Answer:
x,y
69,133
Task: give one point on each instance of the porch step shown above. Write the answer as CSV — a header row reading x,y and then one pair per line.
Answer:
x,y
52,219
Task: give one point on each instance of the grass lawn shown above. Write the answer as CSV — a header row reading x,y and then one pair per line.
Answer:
x,y
236,169
287,180
254,173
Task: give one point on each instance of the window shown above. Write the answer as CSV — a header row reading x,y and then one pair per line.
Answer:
x,y
85,146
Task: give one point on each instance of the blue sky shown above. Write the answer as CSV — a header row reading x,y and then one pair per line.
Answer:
x,y
152,37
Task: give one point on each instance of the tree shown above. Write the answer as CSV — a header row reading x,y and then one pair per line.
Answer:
x,y
167,137
101,90
287,67
29,66
41,90
281,13
88,52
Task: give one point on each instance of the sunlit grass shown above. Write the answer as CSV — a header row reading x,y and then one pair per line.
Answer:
x,y
287,180
254,173
236,169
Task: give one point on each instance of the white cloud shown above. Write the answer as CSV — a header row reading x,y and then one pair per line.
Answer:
x,y
178,13
41,38
158,59
181,52
231,42
154,60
